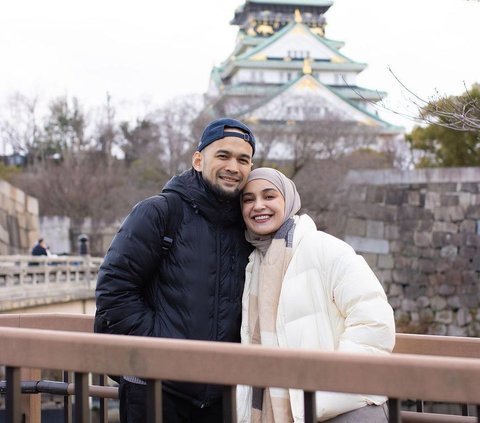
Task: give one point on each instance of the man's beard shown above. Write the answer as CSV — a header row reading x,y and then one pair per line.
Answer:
x,y
221,194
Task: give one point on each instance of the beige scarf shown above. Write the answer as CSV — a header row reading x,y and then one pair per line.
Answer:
x,y
271,405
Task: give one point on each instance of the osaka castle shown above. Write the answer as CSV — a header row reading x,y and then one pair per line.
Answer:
x,y
292,84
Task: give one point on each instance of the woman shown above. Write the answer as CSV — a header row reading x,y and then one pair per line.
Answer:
x,y
306,289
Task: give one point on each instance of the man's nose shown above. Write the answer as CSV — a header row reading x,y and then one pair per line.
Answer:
x,y
232,166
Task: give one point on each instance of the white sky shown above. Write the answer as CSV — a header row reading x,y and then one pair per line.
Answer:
x,y
145,52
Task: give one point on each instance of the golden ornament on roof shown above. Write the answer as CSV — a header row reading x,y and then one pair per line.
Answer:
x,y
307,66
298,16
264,29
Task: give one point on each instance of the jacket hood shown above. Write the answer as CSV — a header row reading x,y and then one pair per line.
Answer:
x,y
193,189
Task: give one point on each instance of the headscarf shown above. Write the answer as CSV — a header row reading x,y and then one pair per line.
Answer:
x,y
287,188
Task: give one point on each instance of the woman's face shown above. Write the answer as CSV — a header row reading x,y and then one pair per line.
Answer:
x,y
263,207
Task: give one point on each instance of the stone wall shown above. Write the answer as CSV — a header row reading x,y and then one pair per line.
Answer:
x,y
19,227
419,230
62,234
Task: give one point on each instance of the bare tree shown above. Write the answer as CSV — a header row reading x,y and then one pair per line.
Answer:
x,y
19,128
460,113
106,131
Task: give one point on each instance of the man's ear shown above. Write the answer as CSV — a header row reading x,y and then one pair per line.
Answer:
x,y
197,160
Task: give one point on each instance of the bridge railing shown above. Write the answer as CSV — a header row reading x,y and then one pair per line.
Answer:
x,y
445,374
26,278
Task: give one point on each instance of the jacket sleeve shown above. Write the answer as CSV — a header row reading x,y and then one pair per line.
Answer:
x,y
360,298
124,284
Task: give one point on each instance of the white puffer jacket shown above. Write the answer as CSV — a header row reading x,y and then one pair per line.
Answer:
x,y
330,301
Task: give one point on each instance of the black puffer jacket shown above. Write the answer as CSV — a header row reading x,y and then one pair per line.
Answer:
x,y
194,292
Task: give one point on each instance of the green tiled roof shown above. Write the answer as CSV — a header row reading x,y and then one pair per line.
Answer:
x,y
347,100
284,31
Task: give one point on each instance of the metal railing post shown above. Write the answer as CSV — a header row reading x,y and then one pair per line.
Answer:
x,y
310,407
14,392
229,404
394,415
82,411
154,400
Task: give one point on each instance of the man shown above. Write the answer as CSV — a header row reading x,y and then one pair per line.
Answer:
x,y
40,248
194,291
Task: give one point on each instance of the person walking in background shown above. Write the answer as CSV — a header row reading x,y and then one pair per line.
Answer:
x,y
40,248
306,289
194,291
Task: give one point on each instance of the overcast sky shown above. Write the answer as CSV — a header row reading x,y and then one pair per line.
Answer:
x,y
146,51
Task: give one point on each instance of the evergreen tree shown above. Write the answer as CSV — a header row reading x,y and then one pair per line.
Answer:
x,y
452,138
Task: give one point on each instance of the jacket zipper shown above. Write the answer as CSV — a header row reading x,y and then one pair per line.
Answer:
x,y
215,305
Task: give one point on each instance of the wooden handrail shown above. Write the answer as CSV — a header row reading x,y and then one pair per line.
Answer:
x,y
449,379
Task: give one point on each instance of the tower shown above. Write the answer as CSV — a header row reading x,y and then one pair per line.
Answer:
x,y
289,81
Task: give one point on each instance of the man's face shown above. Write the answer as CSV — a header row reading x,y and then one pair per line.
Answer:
x,y
225,165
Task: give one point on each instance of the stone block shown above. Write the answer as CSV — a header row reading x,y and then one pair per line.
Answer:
x,y
409,305
414,291
422,239
368,245
19,196
438,303
445,186
5,188
395,302
449,200
423,301
432,200
468,252
438,329
414,198
371,259
446,289
424,225
464,317
470,277
454,277
472,240
385,276
426,266
445,227
391,232
449,252
357,194
454,302
385,261
395,290
469,187
454,330
355,227
473,212
4,237
395,197
444,316
375,195
429,253
375,229
449,214
465,199
426,315
32,205
376,212
469,226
